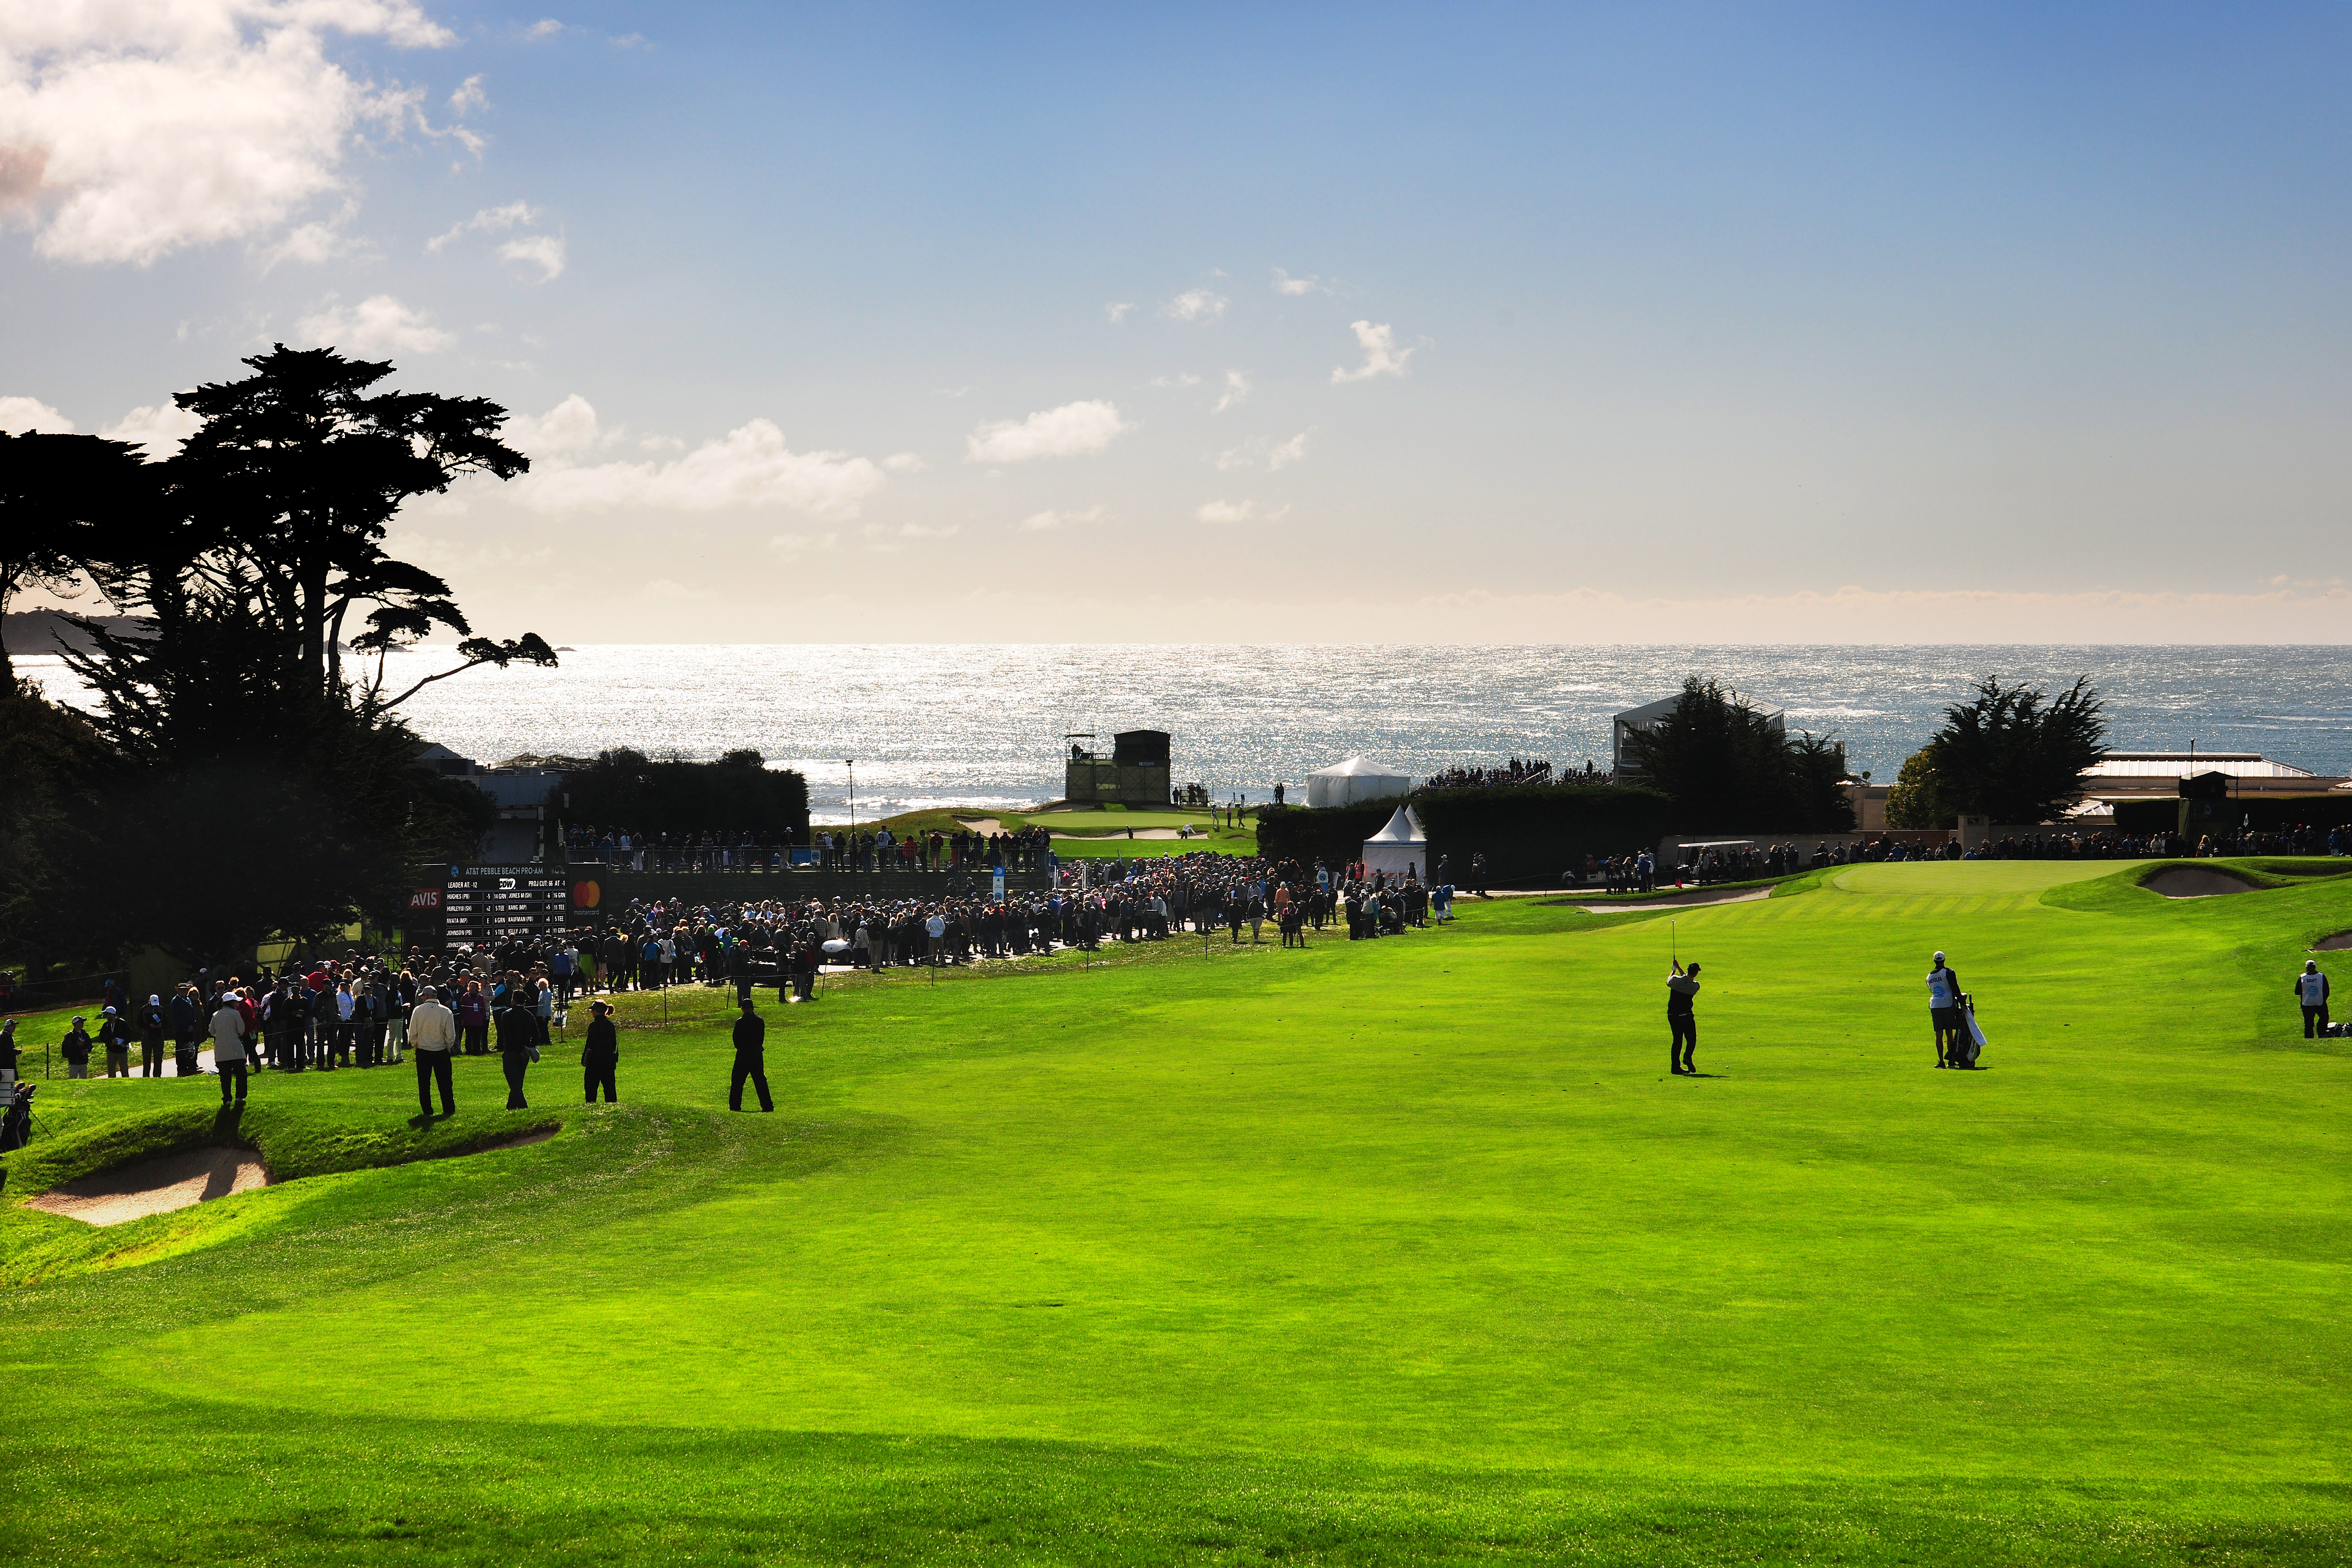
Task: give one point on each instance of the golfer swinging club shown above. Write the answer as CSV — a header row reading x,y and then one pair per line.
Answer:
x,y
1944,1011
1681,986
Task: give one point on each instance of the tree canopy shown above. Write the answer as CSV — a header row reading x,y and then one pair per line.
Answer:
x,y
229,782
1727,766
2015,755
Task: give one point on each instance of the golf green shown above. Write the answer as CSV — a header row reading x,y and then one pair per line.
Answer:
x,y
1404,1250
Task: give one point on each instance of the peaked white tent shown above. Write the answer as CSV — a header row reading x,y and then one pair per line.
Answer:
x,y
1399,847
1345,783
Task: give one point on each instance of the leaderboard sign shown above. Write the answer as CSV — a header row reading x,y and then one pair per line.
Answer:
x,y
484,904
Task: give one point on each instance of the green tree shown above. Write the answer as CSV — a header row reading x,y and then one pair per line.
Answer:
x,y
58,496
2013,754
234,786
297,471
1917,798
1727,766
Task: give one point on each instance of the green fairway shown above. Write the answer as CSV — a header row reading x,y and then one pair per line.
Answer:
x,y
1406,1250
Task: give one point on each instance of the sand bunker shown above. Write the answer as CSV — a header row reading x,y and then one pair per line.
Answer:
x,y
157,1186
2195,882
2337,943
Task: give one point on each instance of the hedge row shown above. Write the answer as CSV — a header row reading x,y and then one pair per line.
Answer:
x,y
1529,834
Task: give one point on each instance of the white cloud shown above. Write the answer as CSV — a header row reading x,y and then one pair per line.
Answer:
x,y
544,251
1181,378
1064,432
1284,283
469,95
1381,356
1250,453
1047,521
751,467
322,240
793,545
630,41
545,27
904,463
130,131
917,530
1237,390
564,433
374,325
1118,311
159,429
26,415
1238,512
1196,305
490,220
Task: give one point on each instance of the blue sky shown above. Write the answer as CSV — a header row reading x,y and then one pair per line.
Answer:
x,y
1443,324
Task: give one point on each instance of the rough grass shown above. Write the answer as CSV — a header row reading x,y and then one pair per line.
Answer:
x,y
1403,1252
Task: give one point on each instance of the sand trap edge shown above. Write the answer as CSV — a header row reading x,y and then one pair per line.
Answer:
x,y
2196,882
182,1181
155,1186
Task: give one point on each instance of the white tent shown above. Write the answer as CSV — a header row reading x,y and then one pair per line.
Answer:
x,y
1399,847
1345,783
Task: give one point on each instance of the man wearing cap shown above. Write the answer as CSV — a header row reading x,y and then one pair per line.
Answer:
x,y
229,1032
432,1032
114,1034
2311,990
1944,1011
600,1058
750,1058
75,1049
1682,991
153,1021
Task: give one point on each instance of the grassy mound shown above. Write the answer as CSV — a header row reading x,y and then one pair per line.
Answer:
x,y
1407,1250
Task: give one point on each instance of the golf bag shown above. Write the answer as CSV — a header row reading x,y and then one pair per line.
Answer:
x,y
1971,1037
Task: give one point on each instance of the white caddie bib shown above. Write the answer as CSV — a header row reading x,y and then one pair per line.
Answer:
x,y
1939,988
2315,989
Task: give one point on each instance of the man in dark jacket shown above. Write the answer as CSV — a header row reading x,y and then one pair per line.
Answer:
x,y
183,1031
75,1049
153,1021
1682,990
601,1057
518,1038
750,1058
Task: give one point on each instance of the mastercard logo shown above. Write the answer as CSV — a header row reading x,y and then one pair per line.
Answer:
x,y
586,894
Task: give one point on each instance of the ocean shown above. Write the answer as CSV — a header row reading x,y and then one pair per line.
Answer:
x,y
984,725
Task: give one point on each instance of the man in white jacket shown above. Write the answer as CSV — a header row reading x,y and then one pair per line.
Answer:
x,y
228,1047
432,1031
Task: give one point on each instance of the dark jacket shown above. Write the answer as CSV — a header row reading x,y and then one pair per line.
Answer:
x,y
517,1030
603,1047
751,1034
75,1047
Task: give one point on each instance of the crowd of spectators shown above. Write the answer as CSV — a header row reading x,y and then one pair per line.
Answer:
x,y
833,849
1517,771
789,943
